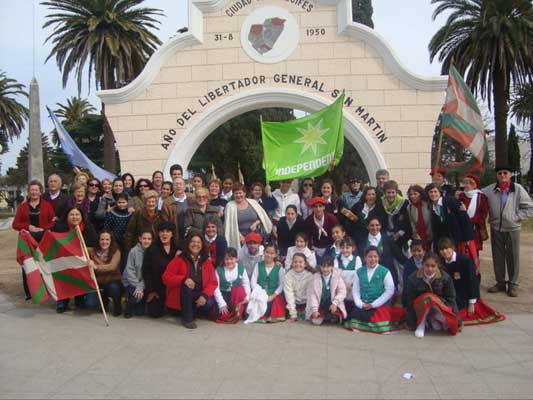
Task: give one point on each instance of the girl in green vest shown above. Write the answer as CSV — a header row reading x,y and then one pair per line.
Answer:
x,y
373,288
325,297
269,275
337,234
233,289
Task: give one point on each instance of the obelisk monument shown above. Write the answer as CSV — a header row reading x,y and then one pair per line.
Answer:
x,y
35,151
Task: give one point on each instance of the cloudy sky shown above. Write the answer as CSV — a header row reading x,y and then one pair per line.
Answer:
x,y
17,47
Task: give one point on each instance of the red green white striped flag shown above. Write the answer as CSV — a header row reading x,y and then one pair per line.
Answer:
x,y
62,265
28,258
461,119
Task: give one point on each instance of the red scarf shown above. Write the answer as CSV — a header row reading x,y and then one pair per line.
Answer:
x,y
420,223
505,186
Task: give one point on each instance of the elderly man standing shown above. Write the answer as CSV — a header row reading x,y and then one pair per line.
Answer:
x,y
509,205
175,205
55,196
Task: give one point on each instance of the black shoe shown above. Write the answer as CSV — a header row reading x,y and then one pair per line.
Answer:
x,y
28,297
60,310
190,325
127,315
117,307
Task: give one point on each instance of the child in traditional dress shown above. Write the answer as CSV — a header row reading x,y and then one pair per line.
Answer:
x,y
233,289
348,262
216,244
326,293
472,309
337,234
295,287
269,276
413,264
373,288
431,299
132,277
301,246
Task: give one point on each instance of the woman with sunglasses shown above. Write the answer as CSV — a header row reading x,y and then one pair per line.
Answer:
x,y
306,193
93,196
143,185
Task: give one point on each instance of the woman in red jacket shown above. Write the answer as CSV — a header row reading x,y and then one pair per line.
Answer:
x,y
34,215
191,281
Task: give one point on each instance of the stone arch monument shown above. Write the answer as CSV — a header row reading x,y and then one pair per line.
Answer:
x,y
241,55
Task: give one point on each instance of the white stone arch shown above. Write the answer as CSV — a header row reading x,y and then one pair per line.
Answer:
x,y
233,106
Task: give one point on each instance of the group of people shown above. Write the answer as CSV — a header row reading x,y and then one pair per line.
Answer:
x,y
370,259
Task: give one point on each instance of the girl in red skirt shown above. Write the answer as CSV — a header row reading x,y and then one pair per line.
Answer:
x,y
233,289
269,275
472,309
430,297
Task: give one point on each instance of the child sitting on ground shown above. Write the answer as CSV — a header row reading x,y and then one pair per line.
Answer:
x,y
297,281
326,293
132,278
233,289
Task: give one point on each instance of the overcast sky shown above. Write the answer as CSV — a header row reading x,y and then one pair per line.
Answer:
x,y
407,26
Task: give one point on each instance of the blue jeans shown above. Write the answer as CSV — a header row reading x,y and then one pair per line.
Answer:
x,y
135,306
112,289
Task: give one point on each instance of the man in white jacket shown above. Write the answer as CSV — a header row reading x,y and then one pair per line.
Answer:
x,y
285,197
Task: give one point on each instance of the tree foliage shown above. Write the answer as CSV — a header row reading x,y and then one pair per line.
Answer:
x,y
522,110
114,36
490,40
362,11
514,152
12,113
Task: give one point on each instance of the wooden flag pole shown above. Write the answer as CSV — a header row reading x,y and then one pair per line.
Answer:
x,y
86,255
264,164
439,146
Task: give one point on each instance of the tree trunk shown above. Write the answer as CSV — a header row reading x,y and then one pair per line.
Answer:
x,y
530,174
500,88
110,158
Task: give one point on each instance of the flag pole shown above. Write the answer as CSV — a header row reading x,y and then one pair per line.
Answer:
x,y
439,145
264,165
86,255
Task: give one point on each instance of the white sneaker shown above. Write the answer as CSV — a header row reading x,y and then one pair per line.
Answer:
x,y
419,332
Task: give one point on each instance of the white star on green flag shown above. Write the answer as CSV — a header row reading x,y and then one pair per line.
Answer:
x,y
311,137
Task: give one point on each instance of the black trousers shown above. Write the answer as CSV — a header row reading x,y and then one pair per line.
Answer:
x,y
189,309
156,308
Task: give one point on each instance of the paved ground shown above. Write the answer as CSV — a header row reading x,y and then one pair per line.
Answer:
x,y
43,354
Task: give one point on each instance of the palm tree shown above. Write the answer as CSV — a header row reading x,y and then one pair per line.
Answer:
x,y
490,40
522,110
113,36
72,113
12,114
75,110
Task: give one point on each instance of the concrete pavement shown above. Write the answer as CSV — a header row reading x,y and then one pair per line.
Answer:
x,y
46,355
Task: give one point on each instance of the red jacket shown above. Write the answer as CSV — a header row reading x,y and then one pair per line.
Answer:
x,y
22,217
178,270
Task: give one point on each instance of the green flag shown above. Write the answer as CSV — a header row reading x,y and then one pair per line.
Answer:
x,y
305,146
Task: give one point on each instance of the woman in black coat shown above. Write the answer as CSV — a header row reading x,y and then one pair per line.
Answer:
x,y
357,220
156,259
73,217
287,228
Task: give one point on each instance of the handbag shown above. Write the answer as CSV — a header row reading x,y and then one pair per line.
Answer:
x,y
483,232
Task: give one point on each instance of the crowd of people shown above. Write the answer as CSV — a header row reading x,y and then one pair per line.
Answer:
x,y
369,258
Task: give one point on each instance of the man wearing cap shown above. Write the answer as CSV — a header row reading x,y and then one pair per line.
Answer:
x,y
509,205
353,195
438,176
251,252
318,227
